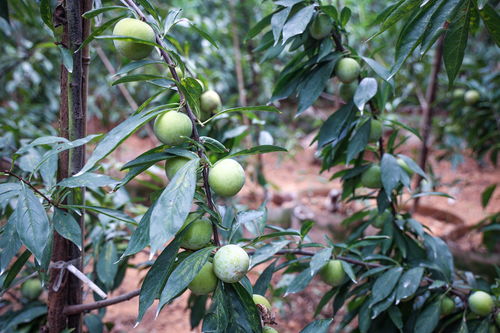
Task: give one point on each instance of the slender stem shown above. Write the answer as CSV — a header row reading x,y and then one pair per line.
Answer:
x,y
79,308
171,65
31,186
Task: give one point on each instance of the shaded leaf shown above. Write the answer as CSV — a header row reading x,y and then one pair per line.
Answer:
x,y
88,179
317,326
365,91
66,226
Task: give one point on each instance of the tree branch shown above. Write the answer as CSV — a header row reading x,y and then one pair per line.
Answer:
x,y
79,308
7,172
171,65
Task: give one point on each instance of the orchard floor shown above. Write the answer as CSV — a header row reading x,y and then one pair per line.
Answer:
x,y
297,183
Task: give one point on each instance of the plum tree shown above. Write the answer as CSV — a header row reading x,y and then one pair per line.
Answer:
x,y
209,103
321,26
371,178
333,273
347,90
31,289
347,70
131,27
205,281
268,329
259,299
173,165
471,97
375,130
231,263
447,306
226,177
171,126
481,303
198,234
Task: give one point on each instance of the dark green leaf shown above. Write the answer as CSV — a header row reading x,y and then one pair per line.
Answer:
x,y
278,21
455,41
334,125
365,91
93,323
9,242
204,34
46,13
297,24
257,150
345,15
349,271
94,12
317,326
428,319
106,266
267,251
16,268
384,284
113,213
138,78
320,259
435,28
306,227
314,84
391,173
299,282
33,225
439,254
258,108
403,9
246,314
491,18
378,68
23,316
486,195
140,237
409,283
183,274
88,179
358,141
157,276
213,144
324,300
66,226
396,317
149,8
259,26
264,280
173,205
137,64
67,58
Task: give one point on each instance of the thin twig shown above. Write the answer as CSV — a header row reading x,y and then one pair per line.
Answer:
x,y
74,309
10,173
171,65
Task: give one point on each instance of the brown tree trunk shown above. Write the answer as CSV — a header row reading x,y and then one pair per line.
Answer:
x,y
427,112
72,125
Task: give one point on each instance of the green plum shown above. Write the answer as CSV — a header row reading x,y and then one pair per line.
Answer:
x,y
131,27
172,165
481,303
169,127
226,177
205,281
371,178
333,273
347,70
259,299
231,263
321,26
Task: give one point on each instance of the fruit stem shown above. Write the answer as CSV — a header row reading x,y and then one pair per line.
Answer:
x,y
171,66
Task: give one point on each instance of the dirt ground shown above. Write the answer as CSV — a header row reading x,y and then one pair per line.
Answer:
x,y
298,184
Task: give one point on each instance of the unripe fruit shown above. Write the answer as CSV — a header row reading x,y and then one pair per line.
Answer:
x,y
198,234
172,165
481,303
375,130
226,177
471,97
170,126
130,27
347,90
380,220
231,263
447,306
205,281
31,289
268,329
321,26
405,166
259,299
333,273
458,93
210,101
371,178
347,70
